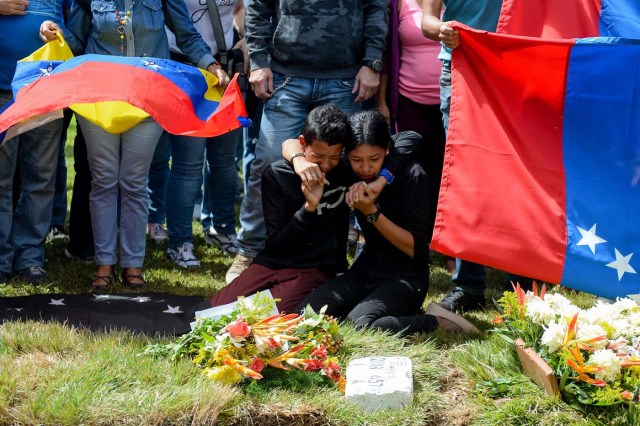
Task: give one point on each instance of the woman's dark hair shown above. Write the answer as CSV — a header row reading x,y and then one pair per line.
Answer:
x,y
369,127
327,123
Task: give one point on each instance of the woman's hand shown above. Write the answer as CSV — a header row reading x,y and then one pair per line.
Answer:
x,y
361,197
448,36
49,31
223,78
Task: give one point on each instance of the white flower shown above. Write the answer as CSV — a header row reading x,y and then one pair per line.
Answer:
x,y
625,305
553,335
589,331
539,312
609,362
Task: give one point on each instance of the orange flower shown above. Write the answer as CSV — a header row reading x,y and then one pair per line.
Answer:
x,y
320,352
579,367
498,320
257,365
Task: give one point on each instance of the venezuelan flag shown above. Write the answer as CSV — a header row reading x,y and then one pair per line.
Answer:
x,y
542,164
116,93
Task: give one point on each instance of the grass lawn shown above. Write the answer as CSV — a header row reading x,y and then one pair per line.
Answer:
x,y
54,374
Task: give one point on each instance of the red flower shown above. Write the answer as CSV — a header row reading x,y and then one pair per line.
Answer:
x,y
257,365
239,328
320,352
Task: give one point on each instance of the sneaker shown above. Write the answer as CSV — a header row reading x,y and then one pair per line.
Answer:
x,y
86,259
226,242
449,321
240,263
56,233
457,300
32,275
157,232
183,256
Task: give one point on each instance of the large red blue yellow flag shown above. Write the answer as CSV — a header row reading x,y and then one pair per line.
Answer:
x,y
117,93
542,165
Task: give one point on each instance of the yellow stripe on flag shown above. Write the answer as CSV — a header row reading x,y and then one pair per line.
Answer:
x,y
112,116
57,50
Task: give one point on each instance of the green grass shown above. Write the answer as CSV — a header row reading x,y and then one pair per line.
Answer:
x,y
55,374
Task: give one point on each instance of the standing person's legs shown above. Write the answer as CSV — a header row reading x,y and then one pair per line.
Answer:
x,y
8,161
157,187
185,180
59,213
103,154
80,229
38,155
138,145
221,191
469,279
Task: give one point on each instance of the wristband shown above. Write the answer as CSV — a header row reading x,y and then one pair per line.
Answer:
x,y
297,154
387,175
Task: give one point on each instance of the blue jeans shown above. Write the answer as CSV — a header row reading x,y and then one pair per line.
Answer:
x,y
120,163
159,180
23,231
185,181
282,118
469,276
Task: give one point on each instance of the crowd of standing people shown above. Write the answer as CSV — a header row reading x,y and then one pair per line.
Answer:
x,y
353,104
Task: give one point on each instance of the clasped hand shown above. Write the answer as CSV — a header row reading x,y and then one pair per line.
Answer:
x,y
360,196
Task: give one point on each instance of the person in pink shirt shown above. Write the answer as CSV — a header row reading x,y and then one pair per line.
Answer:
x,y
409,92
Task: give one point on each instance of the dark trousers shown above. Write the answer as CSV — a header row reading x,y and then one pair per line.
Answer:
x,y
288,285
80,230
376,292
427,121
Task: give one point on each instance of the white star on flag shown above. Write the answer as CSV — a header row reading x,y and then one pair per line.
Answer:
x,y
589,238
101,296
621,264
172,310
151,64
57,302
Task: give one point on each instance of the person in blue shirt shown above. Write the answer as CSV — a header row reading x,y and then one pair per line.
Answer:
x,y
120,163
34,153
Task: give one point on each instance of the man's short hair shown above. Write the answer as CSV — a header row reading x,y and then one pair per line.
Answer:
x,y
327,123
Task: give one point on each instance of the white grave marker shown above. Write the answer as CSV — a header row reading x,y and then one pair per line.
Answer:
x,y
380,382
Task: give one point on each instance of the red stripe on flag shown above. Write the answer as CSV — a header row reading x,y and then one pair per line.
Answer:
x,y
550,18
502,197
148,90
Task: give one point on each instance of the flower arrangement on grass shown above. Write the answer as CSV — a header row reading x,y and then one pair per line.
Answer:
x,y
240,345
594,353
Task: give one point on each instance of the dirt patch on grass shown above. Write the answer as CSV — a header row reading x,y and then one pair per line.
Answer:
x,y
455,391
278,415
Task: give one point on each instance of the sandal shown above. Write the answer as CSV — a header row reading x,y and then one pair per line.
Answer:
x,y
132,281
100,282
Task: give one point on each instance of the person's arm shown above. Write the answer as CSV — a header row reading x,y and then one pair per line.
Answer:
x,y
433,27
381,98
414,239
188,39
376,26
287,233
259,34
309,172
238,23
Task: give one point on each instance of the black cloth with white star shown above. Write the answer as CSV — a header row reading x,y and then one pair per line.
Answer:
x,y
141,313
